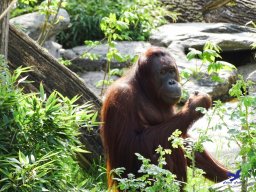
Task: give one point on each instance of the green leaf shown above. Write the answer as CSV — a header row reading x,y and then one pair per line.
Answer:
x,y
226,66
185,74
212,46
117,72
193,54
79,150
217,78
118,57
42,93
91,43
121,25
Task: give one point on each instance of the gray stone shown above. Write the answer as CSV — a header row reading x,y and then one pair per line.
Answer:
x,y
53,48
32,23
246,70
83,64
229,37
252,77
91,78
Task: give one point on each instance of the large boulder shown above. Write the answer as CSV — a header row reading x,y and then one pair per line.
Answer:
x,y
32,23
230,37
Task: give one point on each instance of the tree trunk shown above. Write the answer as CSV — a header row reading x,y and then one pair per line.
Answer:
x,y
226,11
189,10
241,12
4,27
23,51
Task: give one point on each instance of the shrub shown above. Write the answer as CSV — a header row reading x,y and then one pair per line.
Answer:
x,y
39,137
153,177
25,6
85,20
142,16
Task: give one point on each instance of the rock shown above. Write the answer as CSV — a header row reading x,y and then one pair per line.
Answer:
x,y
32,23
84,64
229,37
53,48
91,78
246,70
252,77
234,40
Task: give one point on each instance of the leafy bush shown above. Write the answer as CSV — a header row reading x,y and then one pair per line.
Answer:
x,y
245,135
85,20
25,6
154,177
143,16
208,57
86,16
39,138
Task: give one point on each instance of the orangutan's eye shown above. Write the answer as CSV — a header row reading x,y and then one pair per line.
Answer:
x,y
172,70
163,71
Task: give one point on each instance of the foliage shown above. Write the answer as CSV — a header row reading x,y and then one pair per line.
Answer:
x,y
39,137
154,177
64,62
190,147
49,8
207,58
85,19
141,15
246,136
25,6
111,26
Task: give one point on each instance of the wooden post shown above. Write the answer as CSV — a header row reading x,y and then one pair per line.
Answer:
x,y
4,26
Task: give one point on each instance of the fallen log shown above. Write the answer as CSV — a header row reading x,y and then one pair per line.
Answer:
x,y
23,51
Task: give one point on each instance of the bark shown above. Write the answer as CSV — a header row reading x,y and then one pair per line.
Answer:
x,y
226,11
189,10
23,51
4,27
242,12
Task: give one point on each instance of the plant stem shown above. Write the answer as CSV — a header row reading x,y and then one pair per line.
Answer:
x,y
44,28
52,22
106,71
244,180
193,167
44,33
244,158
